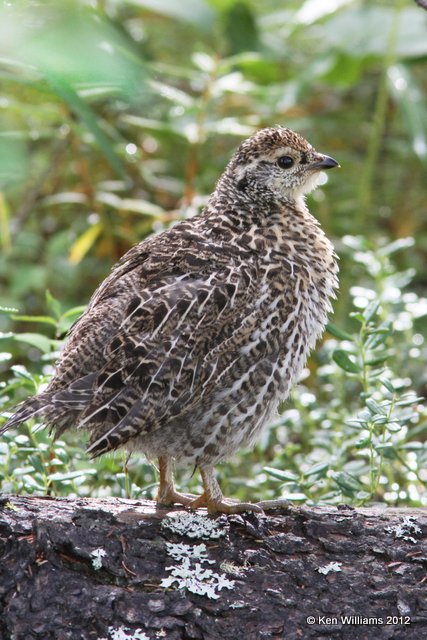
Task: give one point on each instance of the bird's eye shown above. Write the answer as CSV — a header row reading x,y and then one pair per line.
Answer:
x,y
285,162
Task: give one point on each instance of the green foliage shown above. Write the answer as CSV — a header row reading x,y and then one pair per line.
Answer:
x,y
116,119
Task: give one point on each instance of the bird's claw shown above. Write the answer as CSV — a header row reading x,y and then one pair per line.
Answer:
x,y
223,505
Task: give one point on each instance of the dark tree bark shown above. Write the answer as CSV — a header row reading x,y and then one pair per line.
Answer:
x,y
373,563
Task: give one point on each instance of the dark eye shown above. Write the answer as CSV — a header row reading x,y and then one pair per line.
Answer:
x,y
285,162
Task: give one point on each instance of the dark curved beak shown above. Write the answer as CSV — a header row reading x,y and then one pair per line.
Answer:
x,y
325,162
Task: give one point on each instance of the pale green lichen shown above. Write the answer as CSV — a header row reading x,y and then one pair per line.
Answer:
x,y
124,633
97,555
11,506
231,568
332,567
189,573
406,529
193,525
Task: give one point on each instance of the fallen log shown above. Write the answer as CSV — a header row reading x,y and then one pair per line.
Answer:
x,y
114,569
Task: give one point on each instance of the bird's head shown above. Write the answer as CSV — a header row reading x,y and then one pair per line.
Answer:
x,y
278,162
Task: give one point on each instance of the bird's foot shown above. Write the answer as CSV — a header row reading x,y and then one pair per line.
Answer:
x,y
167,495
170,496
213,498
223,505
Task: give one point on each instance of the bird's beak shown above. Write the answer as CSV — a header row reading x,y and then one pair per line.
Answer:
x,y
324,162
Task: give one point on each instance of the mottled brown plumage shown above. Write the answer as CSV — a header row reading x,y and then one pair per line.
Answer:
x,y
187,347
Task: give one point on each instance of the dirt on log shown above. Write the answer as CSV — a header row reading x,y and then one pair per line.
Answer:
x,y
125,570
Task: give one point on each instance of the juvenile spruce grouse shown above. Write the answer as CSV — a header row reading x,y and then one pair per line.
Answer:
x,y
187,347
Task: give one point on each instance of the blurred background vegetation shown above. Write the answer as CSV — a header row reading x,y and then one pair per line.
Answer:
x,y
117,117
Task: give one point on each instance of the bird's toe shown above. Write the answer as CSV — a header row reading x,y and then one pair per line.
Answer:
x,y
279,503
223,505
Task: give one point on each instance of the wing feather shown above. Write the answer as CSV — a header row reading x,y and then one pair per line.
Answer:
x,y
171,367
163,357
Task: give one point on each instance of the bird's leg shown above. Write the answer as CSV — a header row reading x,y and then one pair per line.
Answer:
x,y
213,498
167,494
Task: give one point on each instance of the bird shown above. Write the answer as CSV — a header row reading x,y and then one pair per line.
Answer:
x,y
186,349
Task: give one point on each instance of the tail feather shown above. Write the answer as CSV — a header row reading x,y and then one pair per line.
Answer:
x,y
60,407
29,408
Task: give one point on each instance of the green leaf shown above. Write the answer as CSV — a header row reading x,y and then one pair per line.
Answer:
x,y
151,124
21,372
343,360
142,207
35,340
53,304
318,469
41,319
348,483
74,312
362,443
378,419
70,475
396,245
408,402
38,465
363,495
379,359
388,385
413,446
374,407
338,333
68,318
371,310
387,450
344,71
176,96
356,315
393,427
357,424
377,338
280,474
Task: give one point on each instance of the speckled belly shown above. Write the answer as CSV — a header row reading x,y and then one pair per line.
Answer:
x,y
257,377
231,419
